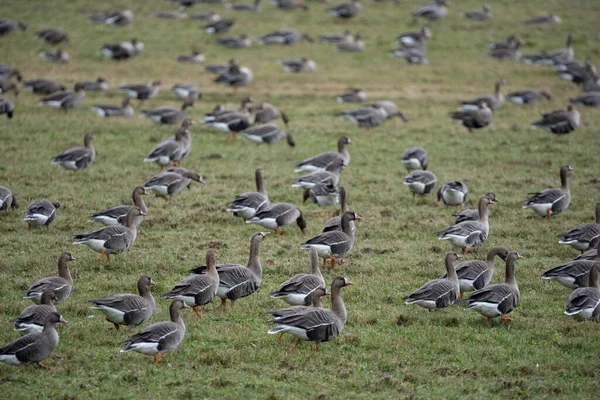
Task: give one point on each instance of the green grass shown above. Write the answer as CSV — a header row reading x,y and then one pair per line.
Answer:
x,y
387,349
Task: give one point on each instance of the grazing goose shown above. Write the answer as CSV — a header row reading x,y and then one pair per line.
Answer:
x,y
390,108
500,299
247,204
336,38
53,36
589,99
528,96
40,212
220,26
335,223
554,57
583,303
117,215
123,50
552,201
198,290
300,65
322,194
373,116
61,284
179,14
415,38
43,86
34,347
186,91
32,318
472,214
141,91
161,337
99,85
266,112
168,152
8,25
268,133
560,122
219,110
544,19
433,11
494,101
254,7
345,10
582,237
321,162
420,182
576,72
482,15
235,77
6,86
284,36
438,293
113,239
77,158
453,193
238,281
7,199
170,183
330,175
575,273
168,115
6,71
356,46
334,244
7,107
58,56
412,55
128,309
120,18
236,42
233,122
414,158
476,274
473,119
352,96
315,324
591,85
125,109
210,16
278,216
469,233
66,99
195,57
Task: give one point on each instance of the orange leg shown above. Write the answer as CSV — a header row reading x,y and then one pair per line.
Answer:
x,y
161,168
505,318
235,91
223,304
117,326
317,347
324,263
231,302
295,346
465,250
170,198
102,255
278,231
547,213
581,252
157,358
53,369
462,295
197,311
279,337
28,227
333,260
489,322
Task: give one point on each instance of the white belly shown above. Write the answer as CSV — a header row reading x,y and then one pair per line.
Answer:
x,y
453,197
244,212
306,185
416,187
114,315
566,281
328,200
584,314
540,208
309,168
295,299
159,189
429,304
145,348
103,219
581,246
254,138
322,250
10,359
36,219
269,223
222,292
221,127
94,244
486,309
55,104
457,241
70,165
412,163
293,330
466,285
29,328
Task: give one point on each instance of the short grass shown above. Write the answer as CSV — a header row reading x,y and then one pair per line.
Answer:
x,y
388,349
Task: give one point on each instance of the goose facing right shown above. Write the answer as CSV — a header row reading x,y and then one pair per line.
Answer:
x,y
494,101
117,215
60,284
330,175
247,204
560,122
322,161
474,119
77,158
167,184
124,109
277,216
528,96
65,100
433,11
469,233
300,288
575,273
552,201
33,317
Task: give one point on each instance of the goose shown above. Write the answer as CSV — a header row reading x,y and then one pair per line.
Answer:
x,y
330,175
235,77
352,96
412,55
482,15
236,42
589,99
438,293
8,72
345,10
469,234
584,301
494,101
476,274
128,309
415,38
544,19
321,162
528,96
414,158
98,85
120,18
7,199
40,213
125,109
277,216
300,65
500,299
8,25
506,54
573,274
289,5
356,46
187,139
123,50
371,117
582,236
558,56
195,57
6,86
576,72
65,100
472,214
198,290
560,122
53,36
420,182
179,14
61,284
77,158
220,26
7,107
170,183
247,204
58,56
113,239
254,7
43,86
510,43
184,91
268,133
141,91
335,223
32,318
233,122
159,338
334,244
589,255
473,119
267,112
168,151
322,194
315,324
453,193
552,201
116,215
168,115
34,347
238,281
591,85
219,110
284,36
210,16
337,38
433,11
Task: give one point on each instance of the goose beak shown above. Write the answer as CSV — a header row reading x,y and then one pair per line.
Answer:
x,y
348,283
459,256
142,213
265,234
201,181
358,217
73,258
62,320
152,283
350,141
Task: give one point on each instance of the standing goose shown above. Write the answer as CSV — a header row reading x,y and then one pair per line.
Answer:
x,y
161,337
300,65
117,215
198,289
233,122
472,214
414,158
65,100
61,284
128,309
7,107
113,239
187,138
420,182
300,288
321,162
560,122
438,293
474,119
584,302
433,11
582,236
335,223
120,18
316,324
284,36
552,201
334,244
77,158
58,56
330,175
469,233
247,204
141,91
482,15
98,85
184,91
506,53
476,274
210,16
352,96
33,317
494,101
170,183
53,36
375,115
7,199
219,110
453,193
40,213
269,134
574,274
528,96
235,77
34,347
123,50
266,112
169,115
278,216
43,86
322,194
125,109
167,151
544,19
500,299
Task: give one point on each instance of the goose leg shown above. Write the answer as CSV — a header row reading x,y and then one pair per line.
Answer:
x,y
102,254
462,295
157,358
548,213
465,250
333,260
232,303
295,346
325,263
53,369
317,347
28,227
223,304
197,311
278,231
505,318
117,327
279,337
489,322
235,90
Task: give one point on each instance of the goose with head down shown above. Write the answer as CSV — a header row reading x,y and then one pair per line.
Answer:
x,y
269,134
474,119
170,183
125,109
345,10
575,273
43,86
7,199
583,236
584,302
420,182
354,95
278,216
266,112
77,158
453,193
141,91
528,96
482,15
322,194
61,284
40,213
65,100
433,11
414,158
300,65
284,36
552,201
98,85
235,76
59,56
322,161
53,36
117,215
469,234
169,115
247,204
330,175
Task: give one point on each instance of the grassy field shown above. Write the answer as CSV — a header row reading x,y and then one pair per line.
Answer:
x,y
387,349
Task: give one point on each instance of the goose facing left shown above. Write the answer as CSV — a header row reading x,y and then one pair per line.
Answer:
x,y
77,158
